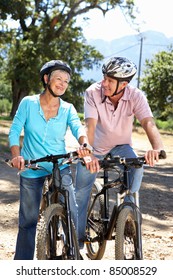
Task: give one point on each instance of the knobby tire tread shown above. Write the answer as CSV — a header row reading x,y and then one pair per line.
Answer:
x,y
124,215
42,227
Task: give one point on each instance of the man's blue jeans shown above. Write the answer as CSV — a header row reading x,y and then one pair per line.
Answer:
x,y
85,180
30,197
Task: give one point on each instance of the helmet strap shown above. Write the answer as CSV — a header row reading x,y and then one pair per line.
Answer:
x,y
51,91
49,88
116,93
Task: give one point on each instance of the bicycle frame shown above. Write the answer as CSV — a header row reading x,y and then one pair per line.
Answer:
x,y
54,193
52,196
109,221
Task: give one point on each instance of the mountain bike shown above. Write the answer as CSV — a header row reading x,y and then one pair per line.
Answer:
x,y
56,234
123,223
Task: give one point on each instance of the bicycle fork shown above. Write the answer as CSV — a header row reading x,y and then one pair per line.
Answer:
x,y
65,194
136,211
71,247
138,221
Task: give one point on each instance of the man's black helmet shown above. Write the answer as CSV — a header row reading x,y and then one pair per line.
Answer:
x,y
119,68
53,65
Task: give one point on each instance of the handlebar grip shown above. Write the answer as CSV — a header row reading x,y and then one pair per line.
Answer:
x,y
74,154
8,161
162,154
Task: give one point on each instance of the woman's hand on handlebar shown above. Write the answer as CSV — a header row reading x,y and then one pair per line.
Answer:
x,y
18,162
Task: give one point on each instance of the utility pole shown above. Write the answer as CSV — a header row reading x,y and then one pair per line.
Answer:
x,y
140,60
139,73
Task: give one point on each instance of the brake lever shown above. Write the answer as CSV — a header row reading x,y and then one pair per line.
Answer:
x,y
70,159
30,166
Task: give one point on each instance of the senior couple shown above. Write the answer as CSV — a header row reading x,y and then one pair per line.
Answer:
x,y
110,106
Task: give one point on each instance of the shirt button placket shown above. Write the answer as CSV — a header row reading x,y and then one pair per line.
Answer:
x,y
45,133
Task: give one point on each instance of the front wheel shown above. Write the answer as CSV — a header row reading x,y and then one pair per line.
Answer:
x,y
126,240
53,236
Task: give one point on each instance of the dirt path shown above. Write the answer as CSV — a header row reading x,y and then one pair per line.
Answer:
x,y
156,197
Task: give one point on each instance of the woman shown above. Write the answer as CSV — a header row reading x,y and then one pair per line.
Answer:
x,y
45,118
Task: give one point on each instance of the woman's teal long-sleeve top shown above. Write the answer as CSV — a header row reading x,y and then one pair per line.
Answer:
x,y
42,137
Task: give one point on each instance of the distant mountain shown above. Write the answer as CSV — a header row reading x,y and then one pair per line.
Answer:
x,y
129,46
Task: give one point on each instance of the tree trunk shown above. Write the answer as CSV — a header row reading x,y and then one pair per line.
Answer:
x,y
17,94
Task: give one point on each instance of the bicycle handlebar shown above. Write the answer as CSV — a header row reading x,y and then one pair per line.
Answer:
x,y
49,158
136,162
105,163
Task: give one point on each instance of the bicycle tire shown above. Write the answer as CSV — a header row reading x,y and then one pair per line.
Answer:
x,y
95,250
126,236
52,235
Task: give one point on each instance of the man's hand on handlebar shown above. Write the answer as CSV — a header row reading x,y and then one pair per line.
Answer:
x,y
152,156
91,162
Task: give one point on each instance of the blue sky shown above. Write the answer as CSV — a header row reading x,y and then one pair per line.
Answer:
x,y
153,15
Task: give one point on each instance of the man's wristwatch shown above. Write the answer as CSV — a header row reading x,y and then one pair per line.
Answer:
x,y
88,147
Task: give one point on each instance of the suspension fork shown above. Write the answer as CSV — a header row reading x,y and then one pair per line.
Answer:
x,y
136,211
106,197
68,211
138,221
58,184
139,234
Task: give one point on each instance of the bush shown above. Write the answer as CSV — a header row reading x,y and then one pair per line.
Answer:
x,y
5,106
81,116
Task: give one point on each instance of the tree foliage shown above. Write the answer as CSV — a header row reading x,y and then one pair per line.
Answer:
x,y
158,84
45,30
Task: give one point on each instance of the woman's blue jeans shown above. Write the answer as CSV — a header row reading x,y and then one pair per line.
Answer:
x,y
30,197
85,180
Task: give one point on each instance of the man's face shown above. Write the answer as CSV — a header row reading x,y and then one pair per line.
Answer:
x,y
110,85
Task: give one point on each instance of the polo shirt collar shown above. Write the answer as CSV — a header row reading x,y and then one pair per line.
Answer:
x,y
125,96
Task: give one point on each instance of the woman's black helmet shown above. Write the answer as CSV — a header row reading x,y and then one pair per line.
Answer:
x,y
119,68
53,65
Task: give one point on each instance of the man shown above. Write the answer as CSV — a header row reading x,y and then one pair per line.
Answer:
x,y
110,107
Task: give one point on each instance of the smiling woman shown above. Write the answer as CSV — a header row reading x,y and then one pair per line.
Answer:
x,y
45,118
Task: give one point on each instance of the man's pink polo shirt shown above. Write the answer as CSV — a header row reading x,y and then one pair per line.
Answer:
x,y
114,127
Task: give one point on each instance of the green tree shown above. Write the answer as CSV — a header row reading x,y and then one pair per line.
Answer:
x,y
157,83
47,30
5,106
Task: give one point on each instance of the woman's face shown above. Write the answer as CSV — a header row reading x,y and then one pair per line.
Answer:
x,y
58,81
